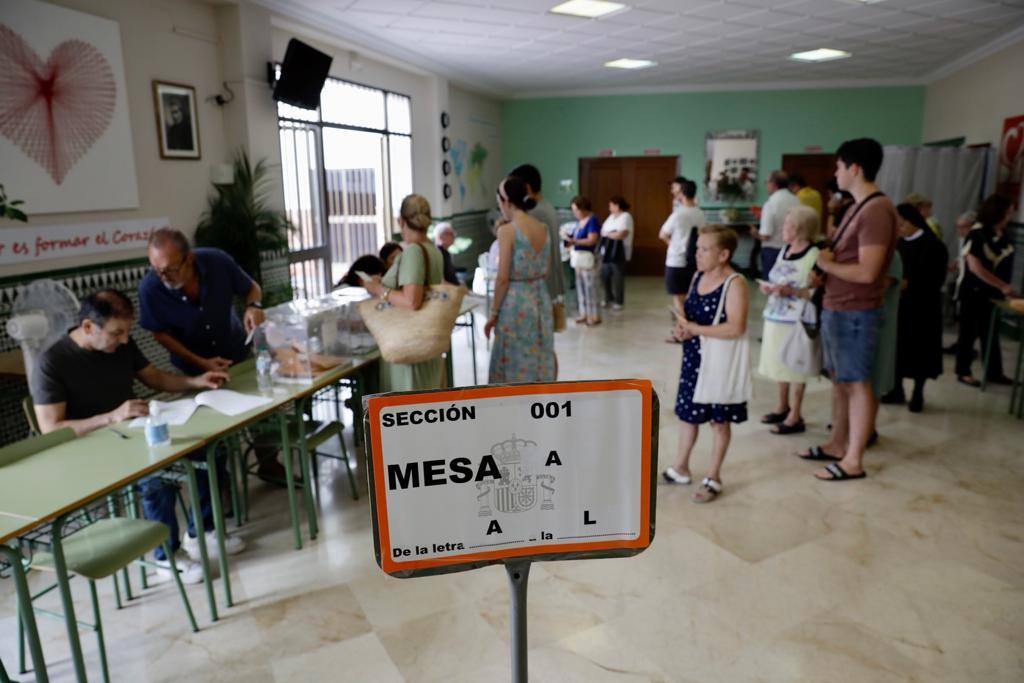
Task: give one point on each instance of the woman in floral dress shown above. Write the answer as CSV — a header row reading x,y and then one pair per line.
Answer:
x,y
524,344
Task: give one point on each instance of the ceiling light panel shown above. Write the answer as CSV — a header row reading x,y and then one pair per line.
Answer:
x,y
588,9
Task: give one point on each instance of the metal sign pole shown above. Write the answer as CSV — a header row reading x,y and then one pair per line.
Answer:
x,y
518,574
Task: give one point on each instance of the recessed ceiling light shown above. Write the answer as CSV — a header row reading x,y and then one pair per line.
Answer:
x,y
587,8
822,54
630,63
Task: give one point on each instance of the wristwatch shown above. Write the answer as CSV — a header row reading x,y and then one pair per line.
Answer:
x,y
255,304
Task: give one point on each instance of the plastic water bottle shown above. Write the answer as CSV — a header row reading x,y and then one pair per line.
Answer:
x,y
157,433
263,378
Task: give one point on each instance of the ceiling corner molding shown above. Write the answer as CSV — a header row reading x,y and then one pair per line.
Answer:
x,y
725,87
997,45
321,27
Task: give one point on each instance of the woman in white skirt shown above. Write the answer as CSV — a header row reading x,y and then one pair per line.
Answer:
x,y
788,294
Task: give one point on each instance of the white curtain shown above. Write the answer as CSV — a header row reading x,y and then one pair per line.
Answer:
x,y
952,177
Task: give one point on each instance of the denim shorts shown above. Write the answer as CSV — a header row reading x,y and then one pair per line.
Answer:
x,y
849,340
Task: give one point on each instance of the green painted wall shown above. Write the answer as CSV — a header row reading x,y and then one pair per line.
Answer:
x,y
554,133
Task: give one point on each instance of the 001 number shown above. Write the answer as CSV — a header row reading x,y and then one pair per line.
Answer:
x,y
550,409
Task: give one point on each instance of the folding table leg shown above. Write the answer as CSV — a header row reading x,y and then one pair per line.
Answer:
x,y
218,517
307,489
61,569
28,617
286,450
197,518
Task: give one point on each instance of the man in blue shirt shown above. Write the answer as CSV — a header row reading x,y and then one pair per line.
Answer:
x,y
188,302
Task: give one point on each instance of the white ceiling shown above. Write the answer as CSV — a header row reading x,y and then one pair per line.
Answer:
x,y
515,47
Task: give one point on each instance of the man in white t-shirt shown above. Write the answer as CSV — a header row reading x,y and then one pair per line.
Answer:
x,y
676,233
773,213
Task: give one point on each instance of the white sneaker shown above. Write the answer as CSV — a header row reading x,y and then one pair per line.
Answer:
x,y
616,307
232,545
190,572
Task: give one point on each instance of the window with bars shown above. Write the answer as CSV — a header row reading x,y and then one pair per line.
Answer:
x,y
346,167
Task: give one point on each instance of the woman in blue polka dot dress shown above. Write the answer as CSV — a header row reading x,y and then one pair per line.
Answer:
x,y
715,247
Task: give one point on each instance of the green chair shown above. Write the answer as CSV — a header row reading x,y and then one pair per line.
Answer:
x,y
96,551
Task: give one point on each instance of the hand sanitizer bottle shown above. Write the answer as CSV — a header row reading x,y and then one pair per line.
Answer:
x,y
157,433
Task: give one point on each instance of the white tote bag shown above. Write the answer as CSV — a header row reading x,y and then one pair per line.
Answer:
x,y
801,352
724,374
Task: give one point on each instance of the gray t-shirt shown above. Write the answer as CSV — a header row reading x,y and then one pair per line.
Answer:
x,y
546,214
89,382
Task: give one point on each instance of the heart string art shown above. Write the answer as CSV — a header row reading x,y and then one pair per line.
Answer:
x,y
54,111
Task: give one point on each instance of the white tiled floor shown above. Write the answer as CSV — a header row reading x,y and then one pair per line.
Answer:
x,y
915,574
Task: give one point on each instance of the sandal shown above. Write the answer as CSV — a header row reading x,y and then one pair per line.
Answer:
x,y
672,476
969,381
837,473
815,453
708,491
774,418
782,428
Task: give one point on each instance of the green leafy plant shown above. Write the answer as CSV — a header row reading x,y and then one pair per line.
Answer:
x,y
239,220
8,207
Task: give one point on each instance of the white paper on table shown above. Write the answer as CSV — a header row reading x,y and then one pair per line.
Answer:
x,y
176,413
230,402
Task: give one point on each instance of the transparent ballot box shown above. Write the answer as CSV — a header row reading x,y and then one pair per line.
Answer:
x,y
306,337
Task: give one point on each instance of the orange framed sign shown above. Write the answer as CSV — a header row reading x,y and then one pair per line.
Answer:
x,y
469,477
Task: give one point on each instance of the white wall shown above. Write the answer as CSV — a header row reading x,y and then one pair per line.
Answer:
x,y
974,101
171,41
475,132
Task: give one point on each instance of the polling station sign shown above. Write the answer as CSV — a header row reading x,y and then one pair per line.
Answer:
x,y
469,477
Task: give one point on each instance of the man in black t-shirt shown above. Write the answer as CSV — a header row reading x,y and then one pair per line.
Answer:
x,y
84,381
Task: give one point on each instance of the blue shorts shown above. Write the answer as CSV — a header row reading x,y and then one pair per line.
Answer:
x,y
849,340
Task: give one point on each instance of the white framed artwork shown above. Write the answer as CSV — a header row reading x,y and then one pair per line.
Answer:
x,y
65,135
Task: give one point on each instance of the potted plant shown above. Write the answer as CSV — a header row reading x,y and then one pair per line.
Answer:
x,y
9,207
239,221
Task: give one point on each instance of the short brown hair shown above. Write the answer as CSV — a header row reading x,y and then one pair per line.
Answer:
x,y
582,203
161,237
725,237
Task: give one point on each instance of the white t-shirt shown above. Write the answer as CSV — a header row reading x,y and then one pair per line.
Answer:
x,y
621,222
677,229
773,214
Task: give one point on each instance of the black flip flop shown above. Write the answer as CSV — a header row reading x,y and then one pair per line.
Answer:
x,y
815,453
783,428
774,418
839,474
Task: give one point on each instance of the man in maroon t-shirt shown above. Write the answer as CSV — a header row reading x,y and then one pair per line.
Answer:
x,y
854,269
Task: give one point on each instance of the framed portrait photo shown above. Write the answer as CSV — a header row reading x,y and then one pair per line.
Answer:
x,y
177,122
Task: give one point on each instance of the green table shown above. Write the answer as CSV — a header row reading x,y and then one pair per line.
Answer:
x,y
1001,309
87,468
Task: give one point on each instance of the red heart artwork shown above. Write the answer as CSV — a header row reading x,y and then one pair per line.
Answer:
x,y
54,111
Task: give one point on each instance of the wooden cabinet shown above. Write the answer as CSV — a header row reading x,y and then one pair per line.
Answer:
x,y
645,182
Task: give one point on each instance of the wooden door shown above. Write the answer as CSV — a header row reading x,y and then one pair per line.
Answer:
x,y
817,170
645,183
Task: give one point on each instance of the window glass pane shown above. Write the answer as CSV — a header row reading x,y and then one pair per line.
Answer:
x,y
399,114
401,173
352,105
354,169
301,179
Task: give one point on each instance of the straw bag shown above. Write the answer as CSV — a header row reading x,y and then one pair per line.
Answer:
x,y
724,374
407,336
558,315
